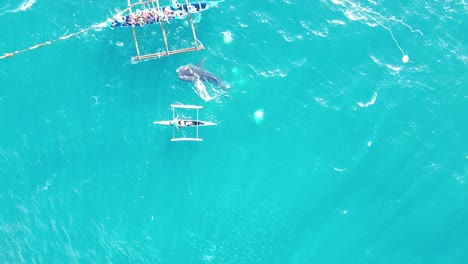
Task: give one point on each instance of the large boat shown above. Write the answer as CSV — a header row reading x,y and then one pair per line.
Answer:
x,y
143,13
152,14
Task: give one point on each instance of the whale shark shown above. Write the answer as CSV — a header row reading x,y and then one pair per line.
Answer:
x,y
197,73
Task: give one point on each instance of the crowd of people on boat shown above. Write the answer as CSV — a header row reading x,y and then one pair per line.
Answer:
x,y
141,18
153,15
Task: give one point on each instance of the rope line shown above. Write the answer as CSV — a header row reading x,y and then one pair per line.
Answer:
x,y
11,54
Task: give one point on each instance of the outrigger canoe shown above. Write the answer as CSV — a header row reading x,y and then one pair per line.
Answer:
x,y
184,123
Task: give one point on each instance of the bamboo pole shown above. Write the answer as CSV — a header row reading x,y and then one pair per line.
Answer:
x,y
191,24
164,53
133,30
162,27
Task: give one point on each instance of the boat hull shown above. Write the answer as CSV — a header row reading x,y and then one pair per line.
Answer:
x,y
154,15
186,123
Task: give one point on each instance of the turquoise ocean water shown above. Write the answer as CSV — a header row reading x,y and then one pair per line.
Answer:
x,y
359,158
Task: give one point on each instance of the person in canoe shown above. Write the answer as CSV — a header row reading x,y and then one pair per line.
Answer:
x,y
181,123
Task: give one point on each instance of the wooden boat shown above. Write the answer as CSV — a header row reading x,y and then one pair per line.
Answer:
x,y
145,13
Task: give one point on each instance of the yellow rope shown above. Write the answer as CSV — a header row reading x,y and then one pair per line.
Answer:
x,y
8,55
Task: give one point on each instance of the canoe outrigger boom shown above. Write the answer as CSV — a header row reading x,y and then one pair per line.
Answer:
x,y
152,13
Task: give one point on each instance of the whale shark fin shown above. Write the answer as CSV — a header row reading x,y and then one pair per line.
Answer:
x,y
200,64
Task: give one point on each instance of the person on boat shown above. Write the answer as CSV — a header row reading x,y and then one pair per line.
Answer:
x,y
176,4
148,15
132,20
112,23
191,123
180,123
176,122
169,13
141,21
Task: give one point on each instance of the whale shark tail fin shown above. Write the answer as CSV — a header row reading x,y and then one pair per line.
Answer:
x,y
200,64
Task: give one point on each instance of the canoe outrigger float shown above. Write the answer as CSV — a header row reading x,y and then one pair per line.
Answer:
x,y
177,123
144,13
